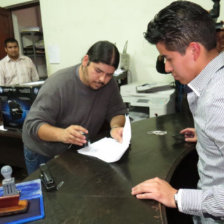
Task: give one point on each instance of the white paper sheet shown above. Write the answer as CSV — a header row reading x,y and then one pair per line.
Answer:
x,y
2,128
54,54
108,149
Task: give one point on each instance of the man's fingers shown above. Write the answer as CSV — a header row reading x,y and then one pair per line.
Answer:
x,y
148,186
144,196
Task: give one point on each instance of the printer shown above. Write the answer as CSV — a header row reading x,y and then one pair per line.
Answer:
x,y
16,101
155,98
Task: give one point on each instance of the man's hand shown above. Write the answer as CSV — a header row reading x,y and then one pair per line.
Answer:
x,y
117,133
117,124
156,189
189,134
70,135
74,135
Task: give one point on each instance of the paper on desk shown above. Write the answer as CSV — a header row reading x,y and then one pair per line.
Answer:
x,y
2,128
108,149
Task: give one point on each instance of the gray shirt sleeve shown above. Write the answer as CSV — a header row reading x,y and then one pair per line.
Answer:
x,y
44,109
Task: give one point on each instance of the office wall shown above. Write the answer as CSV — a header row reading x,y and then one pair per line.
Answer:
x,y
70,27
74,26
6,3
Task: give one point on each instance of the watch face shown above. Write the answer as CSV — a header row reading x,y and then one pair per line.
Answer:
x,y
176,199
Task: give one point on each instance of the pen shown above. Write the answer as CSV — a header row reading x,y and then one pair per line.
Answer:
x,y
60,185
186,135
87,141
176,135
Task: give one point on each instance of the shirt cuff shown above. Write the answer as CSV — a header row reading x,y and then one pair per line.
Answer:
x,y
179,200
190,201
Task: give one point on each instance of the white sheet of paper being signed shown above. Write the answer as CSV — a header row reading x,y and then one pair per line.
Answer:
x,y
108,149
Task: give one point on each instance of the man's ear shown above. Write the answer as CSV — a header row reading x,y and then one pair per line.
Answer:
x,y
195,50
85,60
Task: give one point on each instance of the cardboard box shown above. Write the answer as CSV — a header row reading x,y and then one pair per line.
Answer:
x,y
16,102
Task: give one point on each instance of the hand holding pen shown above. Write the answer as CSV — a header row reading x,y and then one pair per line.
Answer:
x,y
74,134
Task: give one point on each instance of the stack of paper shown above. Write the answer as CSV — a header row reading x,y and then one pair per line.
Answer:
x,y
108,149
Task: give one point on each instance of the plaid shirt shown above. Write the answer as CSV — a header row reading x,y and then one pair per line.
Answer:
x,y
17,71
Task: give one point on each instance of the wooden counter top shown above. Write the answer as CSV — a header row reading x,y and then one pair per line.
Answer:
x,y
100,193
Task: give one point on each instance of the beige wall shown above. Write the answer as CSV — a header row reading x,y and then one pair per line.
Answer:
x,y
6,3
72,26
75,25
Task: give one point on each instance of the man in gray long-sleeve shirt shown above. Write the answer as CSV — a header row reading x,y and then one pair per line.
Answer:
x,y
184,33
73,102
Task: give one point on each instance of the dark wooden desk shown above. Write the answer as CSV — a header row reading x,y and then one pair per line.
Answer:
x,y
95,192
11,148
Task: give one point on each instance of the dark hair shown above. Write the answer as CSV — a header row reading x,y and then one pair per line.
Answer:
x,y
180,23
10,40
104,52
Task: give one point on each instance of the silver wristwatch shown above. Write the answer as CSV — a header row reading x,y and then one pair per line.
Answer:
x,y
176,199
